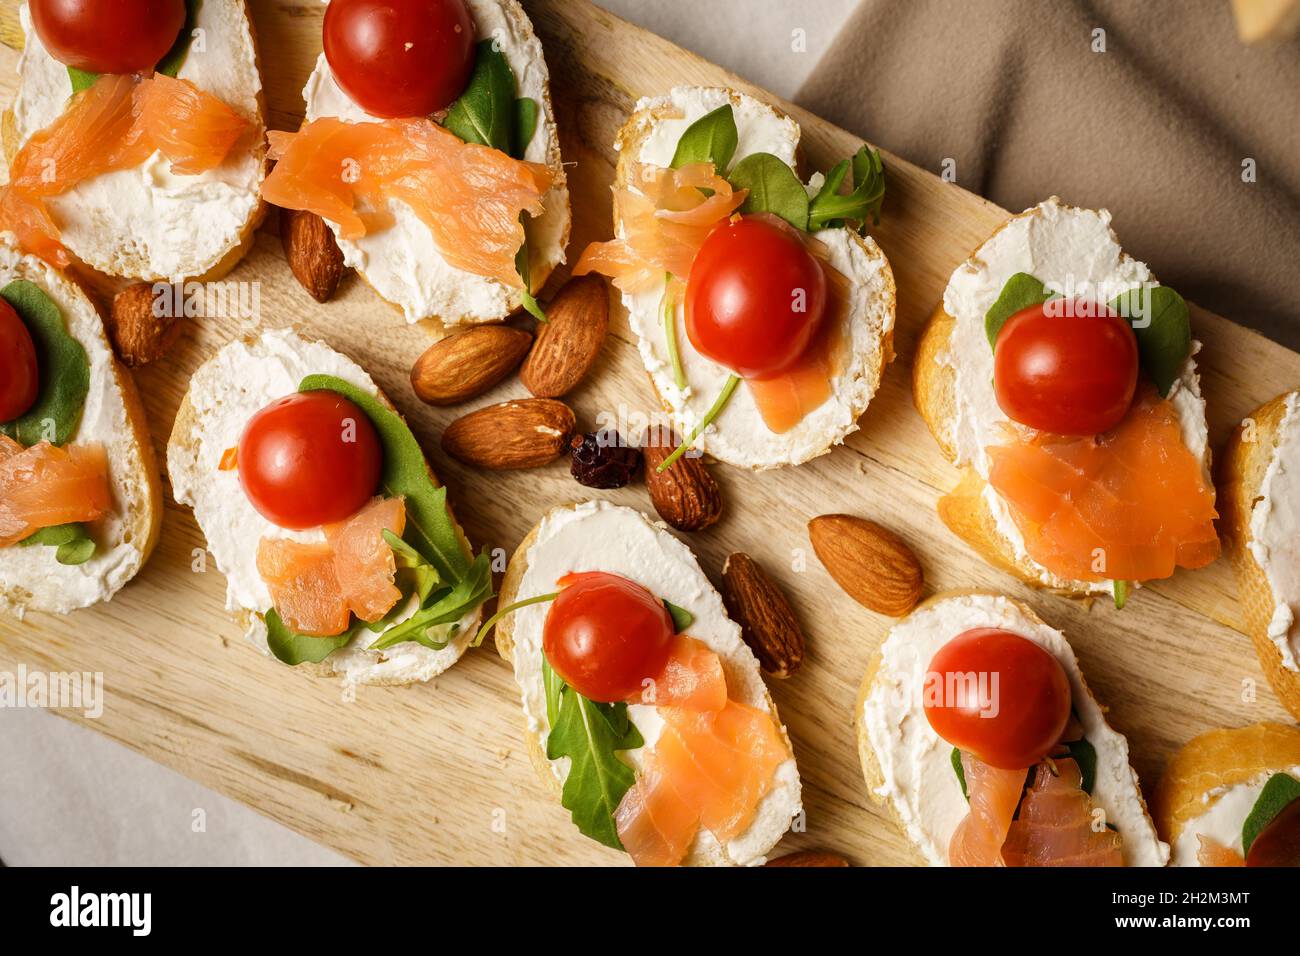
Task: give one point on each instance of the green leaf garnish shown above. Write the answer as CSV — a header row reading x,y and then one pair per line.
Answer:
x,y
682,618
424,575
710,139
526,113
81,79
1085,755
960,771
485,113
714,411
1163,330
830,208
669,310
72,542
294,648
1278,793
1021,291
773,187
524,266
509,609
1121,594
64,369
446,609
590,735
171,62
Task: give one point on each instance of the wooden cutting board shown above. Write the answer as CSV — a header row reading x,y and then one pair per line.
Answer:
x,y
438,773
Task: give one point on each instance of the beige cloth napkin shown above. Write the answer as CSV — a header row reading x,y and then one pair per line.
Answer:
x,y
1156,128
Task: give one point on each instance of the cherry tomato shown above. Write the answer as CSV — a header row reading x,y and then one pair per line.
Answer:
x,y
755,297
19,377
399,58
108,36
1067,374
1278,844
605,635
309,459
999,696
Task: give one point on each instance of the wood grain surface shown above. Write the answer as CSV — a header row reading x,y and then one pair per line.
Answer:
x,y
438,773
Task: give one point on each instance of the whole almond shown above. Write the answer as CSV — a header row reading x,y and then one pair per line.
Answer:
x,y
141,326
766,620
314,257
466,365
520,434
569,341
872,564
809,858
685,494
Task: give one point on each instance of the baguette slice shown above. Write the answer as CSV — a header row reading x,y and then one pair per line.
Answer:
x,y
401,262
1259,496
1211,784
569,539
31,578
225,392
908,768
952,374
146,223
739,436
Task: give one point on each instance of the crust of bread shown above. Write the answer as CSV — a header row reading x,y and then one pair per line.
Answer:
x,y
503,635
871,771
247,235
145,504
185,437
964,510
1219,758
1240,476
633,134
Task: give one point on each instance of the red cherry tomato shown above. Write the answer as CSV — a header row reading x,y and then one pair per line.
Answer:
x,y
309,459
605,635
1278,844
999,696
399,58
108,36
755,297
19,377
1067,374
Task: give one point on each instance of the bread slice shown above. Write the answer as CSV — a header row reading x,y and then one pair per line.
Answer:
x,y
225,392
146,223
401,262
632,540
917,784
952,372
739,436
30,578
1204,773
1242,475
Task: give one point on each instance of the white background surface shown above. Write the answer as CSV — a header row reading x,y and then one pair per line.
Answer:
x,y
69,796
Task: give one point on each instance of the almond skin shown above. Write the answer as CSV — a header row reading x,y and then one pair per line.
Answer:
x,y
766,620
809,858
138,334
314,257
520,434
569,342
465,365
686,496
872,564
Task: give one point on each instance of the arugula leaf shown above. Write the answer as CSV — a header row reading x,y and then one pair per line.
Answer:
x,y
526,112
1085,755
1121,594
485,112
171,62
448,607
1021,291
829,208
425,575
294,648
773,187
64,369
682,618
590,735
1280,790
668,313
524,266
429,526
961,772
710,139
72,542
719,403
1163,330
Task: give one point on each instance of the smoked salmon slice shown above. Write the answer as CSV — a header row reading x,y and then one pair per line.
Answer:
x,y
994,796
1129,505
44,486
666,215
1213,853
692,678
317,586
469,196
116,123
1057,825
